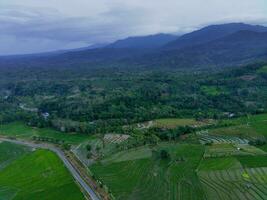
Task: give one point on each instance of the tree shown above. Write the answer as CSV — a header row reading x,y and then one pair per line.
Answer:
x,y
164,154
66,146
88,147
89,155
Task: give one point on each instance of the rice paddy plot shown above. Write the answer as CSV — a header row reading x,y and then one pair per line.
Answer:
x,y
253,161
171,123
209,164
38,175
154,178
243,131
21,130
10,152
131,154
226,149
115,138
235,184
205,138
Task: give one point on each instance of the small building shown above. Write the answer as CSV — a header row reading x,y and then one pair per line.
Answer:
x,y
45,115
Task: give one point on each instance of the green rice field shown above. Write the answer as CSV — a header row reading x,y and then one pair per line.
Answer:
x,y
32,175
20,130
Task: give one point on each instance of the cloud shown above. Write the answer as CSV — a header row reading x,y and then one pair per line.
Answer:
x,y
36,26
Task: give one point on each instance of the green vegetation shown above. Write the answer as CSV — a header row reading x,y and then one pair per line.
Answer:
x,y
234,184
219,164
20,130
262,70
156,124
105,101
253,161
10,152
211,90
225,149
38,175
132,154
176,175
251,127
174,122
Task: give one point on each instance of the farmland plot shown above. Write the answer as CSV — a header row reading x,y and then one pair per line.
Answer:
x,y
153,178
236,184
205,137
225,149
115,138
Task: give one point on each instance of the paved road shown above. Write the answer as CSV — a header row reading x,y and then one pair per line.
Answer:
x,y
62,156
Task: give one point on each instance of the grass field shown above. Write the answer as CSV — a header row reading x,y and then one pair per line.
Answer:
x,y
174,122
36,175
153,178
20,130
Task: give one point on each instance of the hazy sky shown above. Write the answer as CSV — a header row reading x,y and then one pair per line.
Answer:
x,y
29,26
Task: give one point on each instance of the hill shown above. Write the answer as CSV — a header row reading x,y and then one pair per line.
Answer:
x,y
236,49
141,42
211,33
213,46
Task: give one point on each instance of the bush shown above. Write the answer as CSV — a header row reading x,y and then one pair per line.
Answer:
x,y
164,154
88,147
66,146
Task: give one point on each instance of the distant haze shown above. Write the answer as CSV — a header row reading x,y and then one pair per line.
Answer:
x,y
33,26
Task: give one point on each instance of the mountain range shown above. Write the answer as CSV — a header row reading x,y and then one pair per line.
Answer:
x,y
212,46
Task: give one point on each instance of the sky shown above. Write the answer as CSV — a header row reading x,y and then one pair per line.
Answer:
x,y
33,26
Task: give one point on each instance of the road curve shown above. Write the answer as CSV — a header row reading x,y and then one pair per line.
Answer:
x,y
62,156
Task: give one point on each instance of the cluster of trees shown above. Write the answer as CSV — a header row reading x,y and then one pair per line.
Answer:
x,y
48,139
105,101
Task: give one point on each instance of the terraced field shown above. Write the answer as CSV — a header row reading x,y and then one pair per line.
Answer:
x,y
220,139
239,184
227,149
153,178
174,122
31,175
250,127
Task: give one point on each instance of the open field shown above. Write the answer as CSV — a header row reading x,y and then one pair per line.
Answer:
x,y
153,178
174,122
20,130
37,175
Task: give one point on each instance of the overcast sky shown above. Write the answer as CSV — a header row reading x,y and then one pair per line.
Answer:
x,y
30,26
